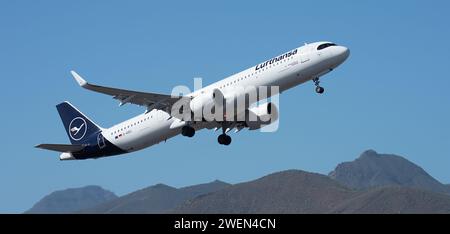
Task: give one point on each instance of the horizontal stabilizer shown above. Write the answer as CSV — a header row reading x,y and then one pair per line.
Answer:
x,y
61,147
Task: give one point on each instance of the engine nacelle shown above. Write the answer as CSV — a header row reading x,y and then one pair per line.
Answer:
x,y
232,104
211,100
261,116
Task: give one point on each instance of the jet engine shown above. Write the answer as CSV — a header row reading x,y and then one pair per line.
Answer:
x,y
261,116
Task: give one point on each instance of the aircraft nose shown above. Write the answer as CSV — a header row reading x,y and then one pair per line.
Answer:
x,y
342,52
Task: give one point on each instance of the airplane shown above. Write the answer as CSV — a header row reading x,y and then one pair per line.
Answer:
x,y
90,141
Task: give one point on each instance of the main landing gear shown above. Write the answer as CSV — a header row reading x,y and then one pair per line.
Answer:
x,y
187,131
223,138
319,89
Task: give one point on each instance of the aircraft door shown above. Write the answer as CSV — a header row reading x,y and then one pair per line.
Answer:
x,y
101,141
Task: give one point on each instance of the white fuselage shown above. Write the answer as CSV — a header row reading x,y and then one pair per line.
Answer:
x,y
155,126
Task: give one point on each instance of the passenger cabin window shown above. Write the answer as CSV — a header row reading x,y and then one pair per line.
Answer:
x,y
323,46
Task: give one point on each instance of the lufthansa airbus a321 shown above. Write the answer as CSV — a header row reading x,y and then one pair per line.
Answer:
x,y
160,122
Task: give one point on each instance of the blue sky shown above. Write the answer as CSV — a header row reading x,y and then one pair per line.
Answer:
x,y
391,95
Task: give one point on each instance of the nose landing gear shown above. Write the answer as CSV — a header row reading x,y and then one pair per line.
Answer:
x,y
319,89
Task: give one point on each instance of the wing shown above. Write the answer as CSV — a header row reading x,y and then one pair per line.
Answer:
x,y
149,100
61,147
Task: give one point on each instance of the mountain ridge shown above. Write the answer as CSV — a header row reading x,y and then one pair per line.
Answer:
x,y
252,196
323,195
372,183
71,200
372,169
159,198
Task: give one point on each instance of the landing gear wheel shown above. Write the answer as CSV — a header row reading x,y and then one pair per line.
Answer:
x,y
227,140
224,139
221,139
320,90
187,131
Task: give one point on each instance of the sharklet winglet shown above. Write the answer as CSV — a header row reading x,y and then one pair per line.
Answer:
x,y
79,79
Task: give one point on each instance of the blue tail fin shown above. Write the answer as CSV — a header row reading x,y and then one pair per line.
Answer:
x,y
77,125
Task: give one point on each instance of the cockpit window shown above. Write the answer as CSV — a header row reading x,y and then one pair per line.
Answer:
x,y
325,45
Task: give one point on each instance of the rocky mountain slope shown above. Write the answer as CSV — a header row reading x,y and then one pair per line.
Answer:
x,y
71,200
